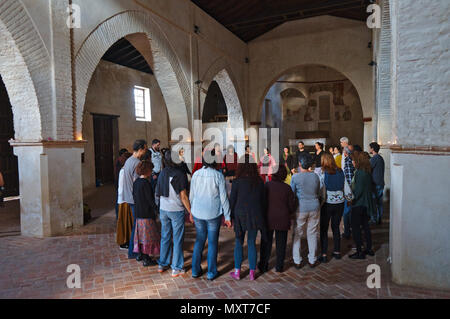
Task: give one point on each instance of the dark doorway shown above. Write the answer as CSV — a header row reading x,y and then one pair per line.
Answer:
x,y
104,149
215,108
8,162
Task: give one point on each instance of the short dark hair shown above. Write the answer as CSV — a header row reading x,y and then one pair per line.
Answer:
x,y
247,167
305,161
123,151
156,141
280,175
375,146
144,168
301,142
139,145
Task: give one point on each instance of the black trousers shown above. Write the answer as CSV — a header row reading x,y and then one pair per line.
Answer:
x,y
360,218
334,213
266,249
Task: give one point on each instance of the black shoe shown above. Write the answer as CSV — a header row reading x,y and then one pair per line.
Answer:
x,y
279,270
299,266
149,262
336,256
314,265
140,257
357,256
323,259
369,252
214,278
124,247
263,268
198,276
347,237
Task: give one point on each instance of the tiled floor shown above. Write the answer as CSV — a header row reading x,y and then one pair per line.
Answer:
x,y
36,268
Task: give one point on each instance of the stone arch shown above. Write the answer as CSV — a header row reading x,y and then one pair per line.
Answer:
x,y
166,67
274,80
220,72
25,70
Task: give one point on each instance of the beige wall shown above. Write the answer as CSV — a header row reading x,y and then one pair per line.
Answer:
x,y
111,92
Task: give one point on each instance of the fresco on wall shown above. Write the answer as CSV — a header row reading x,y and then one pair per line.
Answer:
x,y
302,113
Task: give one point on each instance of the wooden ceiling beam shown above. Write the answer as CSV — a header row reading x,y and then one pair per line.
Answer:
x,y
336,4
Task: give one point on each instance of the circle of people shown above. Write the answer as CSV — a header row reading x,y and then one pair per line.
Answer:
x,y
302,190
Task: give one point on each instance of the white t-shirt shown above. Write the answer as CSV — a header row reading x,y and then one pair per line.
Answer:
x,y
172,203
120,199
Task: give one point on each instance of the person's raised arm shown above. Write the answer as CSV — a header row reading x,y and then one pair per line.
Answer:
x,y
2,182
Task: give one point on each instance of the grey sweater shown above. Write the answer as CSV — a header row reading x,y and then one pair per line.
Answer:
x,y
307,188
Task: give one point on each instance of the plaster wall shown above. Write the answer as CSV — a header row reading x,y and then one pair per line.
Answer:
x,y
111,93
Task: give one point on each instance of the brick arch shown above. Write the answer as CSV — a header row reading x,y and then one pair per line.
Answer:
x,y
166,68
25,70
220,73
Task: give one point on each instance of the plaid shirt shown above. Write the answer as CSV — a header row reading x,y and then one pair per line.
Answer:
x,y
349,170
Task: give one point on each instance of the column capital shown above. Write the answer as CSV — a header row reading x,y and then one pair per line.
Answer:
x,y
49,144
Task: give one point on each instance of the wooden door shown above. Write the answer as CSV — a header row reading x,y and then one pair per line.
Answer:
x,y
8,162
104,157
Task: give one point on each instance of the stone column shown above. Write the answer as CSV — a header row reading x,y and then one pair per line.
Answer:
x,y
51,197
420,158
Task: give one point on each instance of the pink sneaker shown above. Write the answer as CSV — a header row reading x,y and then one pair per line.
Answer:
x,y
252,275
236,274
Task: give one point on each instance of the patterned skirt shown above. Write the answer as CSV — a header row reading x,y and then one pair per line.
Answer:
x,y
147,237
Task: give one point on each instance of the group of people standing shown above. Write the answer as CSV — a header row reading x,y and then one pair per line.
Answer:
x,y
268,197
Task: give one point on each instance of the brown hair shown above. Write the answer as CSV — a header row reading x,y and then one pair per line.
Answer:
x,y
144,168
280,175
361,162
328,163
247,167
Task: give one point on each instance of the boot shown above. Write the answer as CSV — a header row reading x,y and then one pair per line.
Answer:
x,y
236,274
252,275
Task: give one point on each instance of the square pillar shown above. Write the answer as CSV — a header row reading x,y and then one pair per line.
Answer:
x,y
51,199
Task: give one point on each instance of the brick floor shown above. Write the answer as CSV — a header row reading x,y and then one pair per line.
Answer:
x,y
36,268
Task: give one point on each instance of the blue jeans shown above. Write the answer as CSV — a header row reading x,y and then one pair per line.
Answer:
x,y
131,254
206,229
252,254
347,221
378,197
172,223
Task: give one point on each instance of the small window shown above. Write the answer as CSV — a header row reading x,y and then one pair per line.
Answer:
x,y
142,104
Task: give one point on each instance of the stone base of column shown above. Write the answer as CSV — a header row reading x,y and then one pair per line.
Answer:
x,y
419,234
51,198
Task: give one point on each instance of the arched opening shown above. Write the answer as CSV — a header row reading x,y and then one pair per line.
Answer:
x,y
215,108
8,167
123,103
221,107
161,59
313,103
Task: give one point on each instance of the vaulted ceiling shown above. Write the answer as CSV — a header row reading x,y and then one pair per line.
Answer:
x,y
248,19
